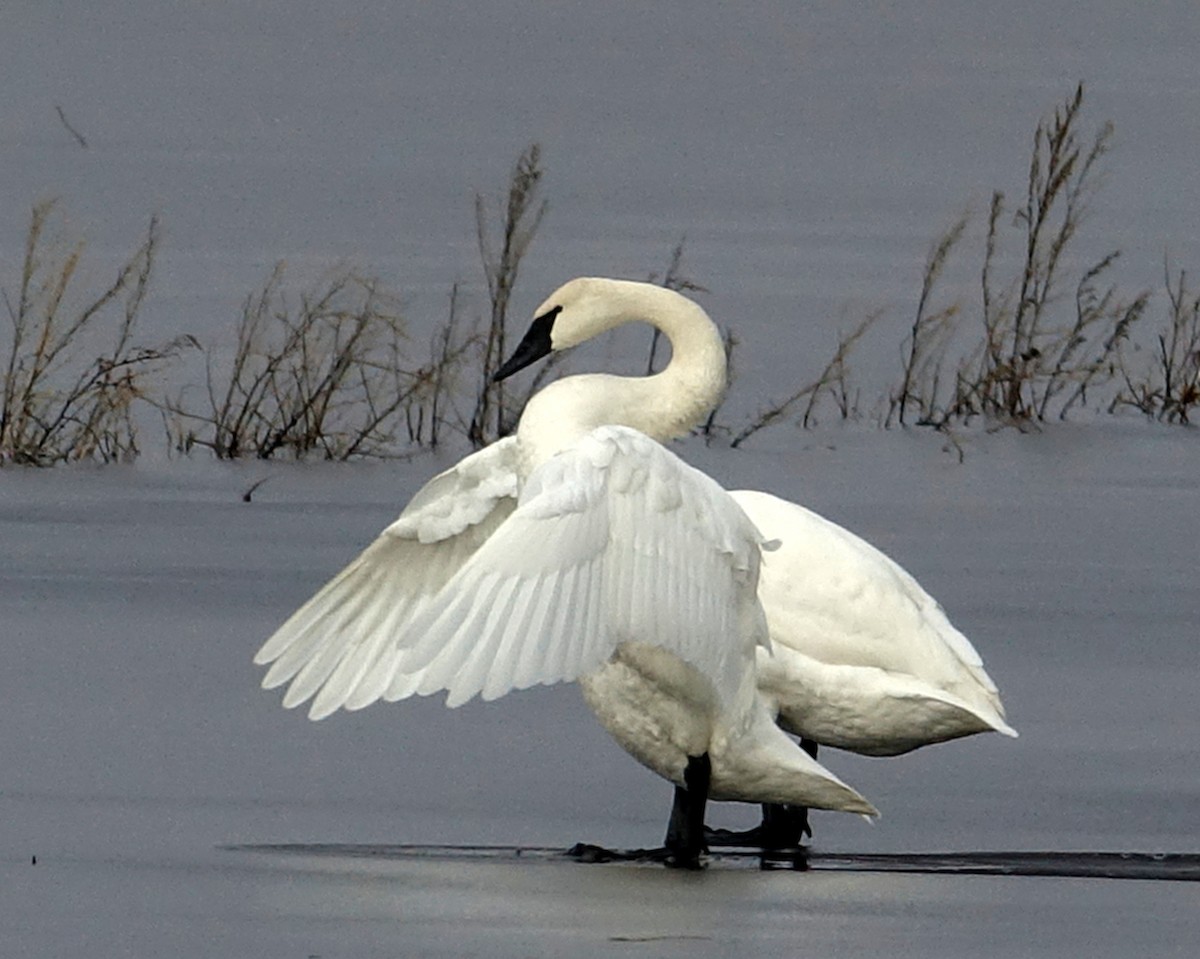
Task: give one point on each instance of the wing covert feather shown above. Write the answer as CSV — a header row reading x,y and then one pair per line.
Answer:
x,y
841,600
615,539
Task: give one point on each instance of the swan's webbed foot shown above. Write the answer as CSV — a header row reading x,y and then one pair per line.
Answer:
x,y
671,858
734,838
782,827
588,852
684,845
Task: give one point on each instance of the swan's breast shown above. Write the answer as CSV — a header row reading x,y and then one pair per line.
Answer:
x,y
657,707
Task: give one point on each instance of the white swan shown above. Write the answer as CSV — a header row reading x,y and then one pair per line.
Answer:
x,y
861,657
580,548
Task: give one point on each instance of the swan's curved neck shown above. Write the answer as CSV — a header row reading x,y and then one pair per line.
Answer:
x,y
663,406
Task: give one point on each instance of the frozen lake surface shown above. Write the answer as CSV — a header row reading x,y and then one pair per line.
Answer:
x,y
138,742
810,153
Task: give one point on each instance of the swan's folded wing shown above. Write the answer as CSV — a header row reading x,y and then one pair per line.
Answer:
x,y
344,644
831,595
615,539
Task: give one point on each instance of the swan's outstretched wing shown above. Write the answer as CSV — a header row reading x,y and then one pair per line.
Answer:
x,y
615,539
836,598
343,641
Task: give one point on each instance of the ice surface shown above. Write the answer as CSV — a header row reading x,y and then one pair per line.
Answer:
x,y
137,742
810,153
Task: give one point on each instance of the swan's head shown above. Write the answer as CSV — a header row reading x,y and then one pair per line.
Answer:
x,y
663,406
572,314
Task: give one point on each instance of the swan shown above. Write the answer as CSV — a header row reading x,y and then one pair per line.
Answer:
x,y
861,657
578,549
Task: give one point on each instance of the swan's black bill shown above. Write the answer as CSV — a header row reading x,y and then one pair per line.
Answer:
x,y
532,348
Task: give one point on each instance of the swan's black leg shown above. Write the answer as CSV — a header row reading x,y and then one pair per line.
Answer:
x,y
783,826
685,829
810,747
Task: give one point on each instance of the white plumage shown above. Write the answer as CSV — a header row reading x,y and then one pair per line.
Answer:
x,y
611,540
862,658
580,548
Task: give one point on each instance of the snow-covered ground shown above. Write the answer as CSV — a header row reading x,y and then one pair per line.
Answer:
x,y
810,153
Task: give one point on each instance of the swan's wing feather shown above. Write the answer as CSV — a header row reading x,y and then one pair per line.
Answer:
x,y
692,560
548,554
343,645
611,541
462,496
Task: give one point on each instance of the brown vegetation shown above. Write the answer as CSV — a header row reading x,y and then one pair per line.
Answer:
x,y
331,372
64,395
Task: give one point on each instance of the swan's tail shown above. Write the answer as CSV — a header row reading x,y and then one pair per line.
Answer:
x,y
995,718
941,715
762,765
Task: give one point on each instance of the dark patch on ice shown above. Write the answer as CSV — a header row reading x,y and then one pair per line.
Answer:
x,y
1173,866
659,938
1166,866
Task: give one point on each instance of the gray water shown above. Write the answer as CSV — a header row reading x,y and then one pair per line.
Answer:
x,y
809,155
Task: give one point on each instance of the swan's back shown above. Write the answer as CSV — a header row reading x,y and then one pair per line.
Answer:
x,y
857,620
